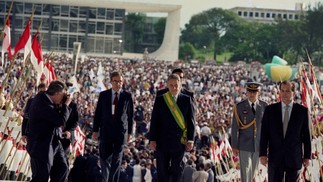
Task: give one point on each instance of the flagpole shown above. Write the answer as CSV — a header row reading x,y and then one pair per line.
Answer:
x,y
7,17
14,58
16,86
26,172
313,74
8,155
8,136
8,73
22,86
20,167
313,128
12,159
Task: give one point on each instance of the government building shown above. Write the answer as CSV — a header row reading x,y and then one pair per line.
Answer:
x,y
97,25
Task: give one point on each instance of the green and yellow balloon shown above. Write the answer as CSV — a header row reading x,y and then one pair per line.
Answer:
x,y
278,70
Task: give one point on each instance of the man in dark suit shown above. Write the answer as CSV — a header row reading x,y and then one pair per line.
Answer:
x,y
171,130
183,90
285,137
24,127
43,142
246,130
114,118
70,125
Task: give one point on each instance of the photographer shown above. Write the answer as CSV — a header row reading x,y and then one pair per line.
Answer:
x,y
24,127
47,157
71,124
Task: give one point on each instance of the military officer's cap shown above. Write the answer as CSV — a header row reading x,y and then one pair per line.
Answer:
x,y
253,86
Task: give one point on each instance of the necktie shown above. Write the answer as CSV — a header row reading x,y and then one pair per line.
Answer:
x,y
286,119
115,102
253,108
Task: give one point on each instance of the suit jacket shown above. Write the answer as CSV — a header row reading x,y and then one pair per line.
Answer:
x,y
183,91
24,126
44,121
110,130
244,139
164,128
71,124
291,150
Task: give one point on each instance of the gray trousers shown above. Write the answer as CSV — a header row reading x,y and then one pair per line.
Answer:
x,y
248,165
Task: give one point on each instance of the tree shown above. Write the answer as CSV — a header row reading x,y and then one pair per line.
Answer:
x,y
160,29
314,28
292,37
205,29
186,51
134,31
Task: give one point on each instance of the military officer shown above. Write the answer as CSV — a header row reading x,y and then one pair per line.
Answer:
x,y
245,132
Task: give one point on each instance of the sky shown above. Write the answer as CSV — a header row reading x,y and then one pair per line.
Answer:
x,y
191,7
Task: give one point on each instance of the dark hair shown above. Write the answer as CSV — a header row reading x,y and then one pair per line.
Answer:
x,y
292,85
41,85
55,86
177,70
199,166
114,74
173,77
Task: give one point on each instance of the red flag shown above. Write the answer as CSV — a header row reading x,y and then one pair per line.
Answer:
x,y
24,41
49,73
306,90
6,41
36,57
36,48
52,72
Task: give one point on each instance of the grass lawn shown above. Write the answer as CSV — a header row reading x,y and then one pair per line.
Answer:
x,y
209,55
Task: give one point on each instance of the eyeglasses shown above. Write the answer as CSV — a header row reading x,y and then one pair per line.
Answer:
x,y
117,81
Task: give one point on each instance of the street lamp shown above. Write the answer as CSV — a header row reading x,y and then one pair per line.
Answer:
x,y
120,45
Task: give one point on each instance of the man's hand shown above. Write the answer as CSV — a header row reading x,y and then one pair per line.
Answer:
x,y
152,145
129,138
189,145
95,136
235,152
306,162
24,139
67,135
263,160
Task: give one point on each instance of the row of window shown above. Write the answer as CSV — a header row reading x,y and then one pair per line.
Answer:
x,y
64,11
250,14
95,44
68,25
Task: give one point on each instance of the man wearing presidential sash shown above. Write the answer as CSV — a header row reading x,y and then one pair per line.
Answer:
x,y
245,131
171,130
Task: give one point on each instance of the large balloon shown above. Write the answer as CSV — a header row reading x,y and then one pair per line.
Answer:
x,y
278,70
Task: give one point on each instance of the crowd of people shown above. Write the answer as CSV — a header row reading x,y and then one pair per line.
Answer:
x,y
216,88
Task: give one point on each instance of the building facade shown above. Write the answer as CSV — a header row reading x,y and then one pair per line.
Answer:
x,y
100,30
264,15
97,24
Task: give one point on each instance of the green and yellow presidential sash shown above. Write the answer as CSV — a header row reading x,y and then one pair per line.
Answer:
x,y
177,114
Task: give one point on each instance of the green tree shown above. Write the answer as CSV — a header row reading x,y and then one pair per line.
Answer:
x,y
205,29
160,29
292,38
314,28
186,52
134,24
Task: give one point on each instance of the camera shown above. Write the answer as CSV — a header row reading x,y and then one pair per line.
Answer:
x,y
64,99
64,135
